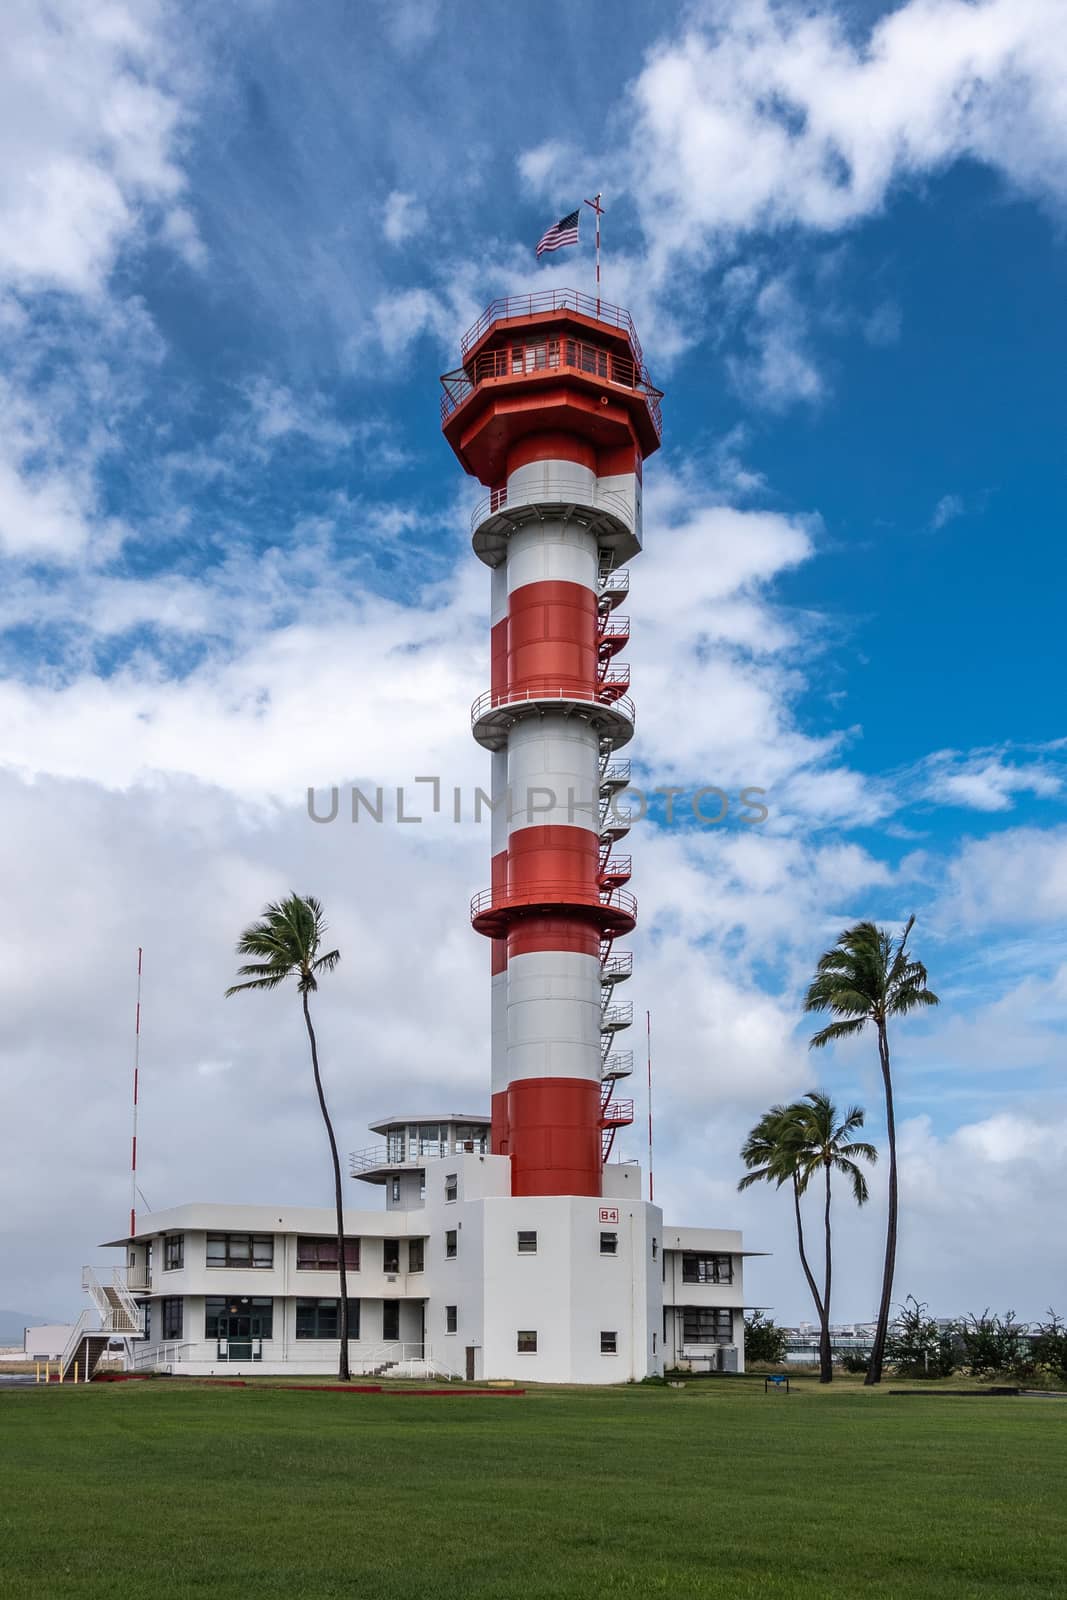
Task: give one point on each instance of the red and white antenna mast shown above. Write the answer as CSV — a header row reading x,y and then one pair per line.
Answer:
x,y
136,1085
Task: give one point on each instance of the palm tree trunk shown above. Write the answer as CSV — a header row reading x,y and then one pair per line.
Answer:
x,y
812,1285
874,1370
826,1361
342,1366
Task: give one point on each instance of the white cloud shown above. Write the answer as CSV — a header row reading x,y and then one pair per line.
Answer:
x,y
403,217
947,509
1014,878
277,412
88,131
779,369
986,780
766,116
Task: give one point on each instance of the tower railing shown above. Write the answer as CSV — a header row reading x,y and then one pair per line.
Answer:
x,y
555,491
506,308
537,357
549,689
504,896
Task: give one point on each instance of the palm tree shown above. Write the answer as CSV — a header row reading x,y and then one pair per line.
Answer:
x,y
788,1145
827,1143
772,1154
286,941
868,976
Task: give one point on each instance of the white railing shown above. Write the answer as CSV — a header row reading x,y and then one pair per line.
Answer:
x,y
553,494
117,1309
77,1334
380,1155
502,699
388,1356
127,1304
157,1357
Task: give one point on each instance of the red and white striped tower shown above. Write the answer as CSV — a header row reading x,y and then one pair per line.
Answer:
x,y
553,411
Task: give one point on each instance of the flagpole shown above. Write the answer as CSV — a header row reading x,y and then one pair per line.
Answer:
x,y
595,205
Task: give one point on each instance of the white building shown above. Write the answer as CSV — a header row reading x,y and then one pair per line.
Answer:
x,y
455,1276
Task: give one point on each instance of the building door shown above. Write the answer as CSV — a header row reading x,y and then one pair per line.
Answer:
x,y
236,1329
390,1319
470,1363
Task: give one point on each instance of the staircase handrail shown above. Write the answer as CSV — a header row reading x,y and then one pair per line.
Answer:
x,y
77,1334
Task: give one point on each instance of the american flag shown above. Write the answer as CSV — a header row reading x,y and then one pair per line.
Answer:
x,y
565,231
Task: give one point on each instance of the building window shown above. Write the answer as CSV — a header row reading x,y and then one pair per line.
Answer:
x,y
707,1269
527,1240
653,1343
173,1252
609,1343
321,1319
170,1313
390,1319
390,1255
394,1190
655,1248
609,1244
316,1254
451,1318
452,1186
146,1317
416,1254
707,1325
526,1342
238,1316
451,1244
240,1250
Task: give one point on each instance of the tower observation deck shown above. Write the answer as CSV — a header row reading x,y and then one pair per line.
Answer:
x,y
552,409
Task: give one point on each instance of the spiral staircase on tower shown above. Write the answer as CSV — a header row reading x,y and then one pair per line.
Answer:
x,y
613,633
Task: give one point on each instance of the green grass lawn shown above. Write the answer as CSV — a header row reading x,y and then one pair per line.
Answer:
x,y
160,1491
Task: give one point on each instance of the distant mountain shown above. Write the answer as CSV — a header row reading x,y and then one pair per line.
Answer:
x,y
14,1323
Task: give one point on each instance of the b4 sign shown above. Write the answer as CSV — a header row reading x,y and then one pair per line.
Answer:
x,y
609,1213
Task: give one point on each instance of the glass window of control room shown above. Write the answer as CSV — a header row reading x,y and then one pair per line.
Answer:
x,y
173,1252
707,1268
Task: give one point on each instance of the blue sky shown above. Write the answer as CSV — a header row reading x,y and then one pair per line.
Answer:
x,y
236,254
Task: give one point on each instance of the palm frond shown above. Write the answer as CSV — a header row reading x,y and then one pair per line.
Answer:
x,y
836,1030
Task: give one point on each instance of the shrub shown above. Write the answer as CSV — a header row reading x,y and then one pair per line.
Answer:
x,y
853,1360
764,1340
993,1345
916,1345
1049,1347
